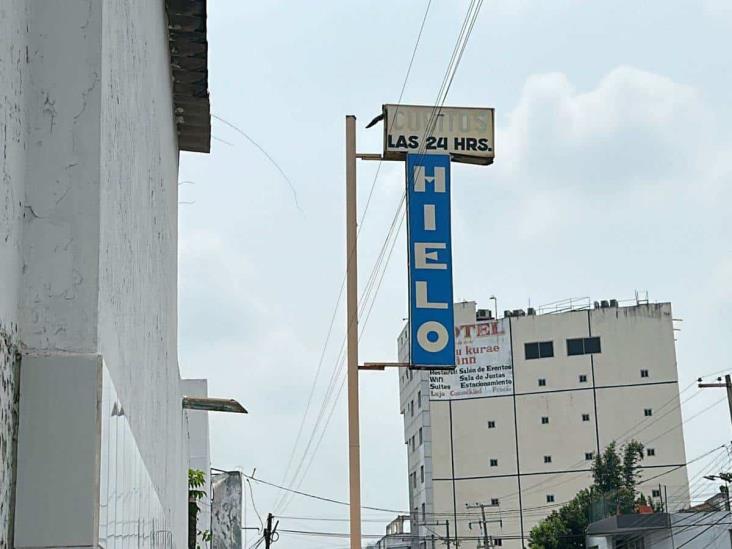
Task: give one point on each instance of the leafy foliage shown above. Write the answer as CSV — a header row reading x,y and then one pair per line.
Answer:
x,y
616,473
196,481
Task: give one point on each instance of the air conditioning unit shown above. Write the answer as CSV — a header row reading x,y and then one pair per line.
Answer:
x,y
597,304
483,314
604,304
507,314
531,311
613,302
519,312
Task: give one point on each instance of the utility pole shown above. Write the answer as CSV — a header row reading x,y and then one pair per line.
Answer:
x,y
269,531
354,445
727,385
484,522
447,531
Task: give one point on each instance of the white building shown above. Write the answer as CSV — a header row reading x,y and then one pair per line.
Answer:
x,y
97,97
533,400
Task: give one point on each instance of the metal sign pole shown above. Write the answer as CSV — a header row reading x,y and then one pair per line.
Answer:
x,y
354,450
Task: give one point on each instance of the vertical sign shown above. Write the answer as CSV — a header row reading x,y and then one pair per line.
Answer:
x,y
431,315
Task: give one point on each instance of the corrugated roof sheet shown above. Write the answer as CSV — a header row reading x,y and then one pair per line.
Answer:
x,y
189,69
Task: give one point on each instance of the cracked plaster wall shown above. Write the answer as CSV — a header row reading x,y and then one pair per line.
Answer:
x,y
139,239
13,82
88,217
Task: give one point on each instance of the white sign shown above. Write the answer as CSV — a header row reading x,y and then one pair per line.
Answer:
x,y
466,134
484,365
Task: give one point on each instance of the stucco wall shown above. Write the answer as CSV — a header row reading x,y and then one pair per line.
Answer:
x,y
88,214
60,231
137,332
13,82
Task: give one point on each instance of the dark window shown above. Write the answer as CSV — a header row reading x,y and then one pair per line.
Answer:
x,y
491,424
544,420
550,498
585,417
424,514
583,378
531,350
575,347
495,502
547,459
539,349
656,493
546,349
542,382
589,456
414,480
421,474
644,373
648,412
497,542
420,436
650,452
592,345
419,399
494,463
413,446
583,346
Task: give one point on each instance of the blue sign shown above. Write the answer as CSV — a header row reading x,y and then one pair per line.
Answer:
x,y
431,314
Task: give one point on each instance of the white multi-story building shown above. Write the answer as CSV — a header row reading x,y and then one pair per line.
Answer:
x,y
533,400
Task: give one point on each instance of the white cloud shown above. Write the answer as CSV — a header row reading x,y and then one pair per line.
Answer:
x,y
634,128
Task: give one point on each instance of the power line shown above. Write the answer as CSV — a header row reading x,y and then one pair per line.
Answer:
x,y
340,292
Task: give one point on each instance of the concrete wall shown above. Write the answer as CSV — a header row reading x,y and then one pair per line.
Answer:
x,y
13,83
199,449
88,217
138,240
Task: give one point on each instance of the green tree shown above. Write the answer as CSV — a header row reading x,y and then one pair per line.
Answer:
x,y
196,481
615,472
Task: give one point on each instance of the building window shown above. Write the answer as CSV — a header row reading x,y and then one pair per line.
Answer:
x,y
494,462
420,436
583,378
414,480
542,382
419,399
413,446
491,424
547,459
644,373
495,502
583,346
650,452
544,420
656,493
424,514
550,498
411,407
497,542
585,417
421,474
589,456
648,412
539,349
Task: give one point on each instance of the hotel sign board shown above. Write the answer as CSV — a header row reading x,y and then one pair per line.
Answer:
x,y
464,133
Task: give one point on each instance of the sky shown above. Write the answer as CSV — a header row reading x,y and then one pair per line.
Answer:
x,y
613,173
